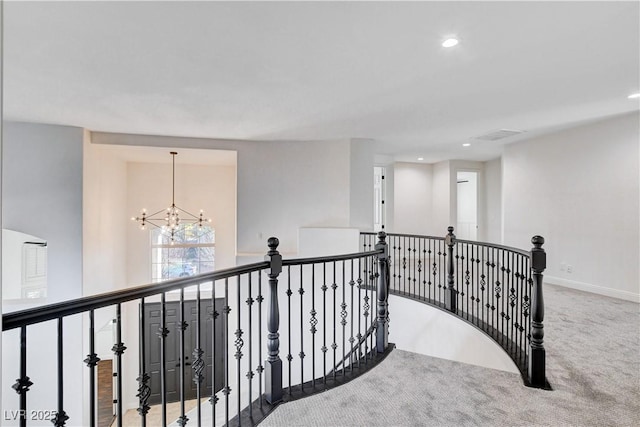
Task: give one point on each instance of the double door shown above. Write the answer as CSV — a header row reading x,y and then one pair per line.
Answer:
x,y
173,356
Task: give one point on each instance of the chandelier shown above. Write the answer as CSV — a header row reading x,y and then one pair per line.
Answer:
x,y
169,220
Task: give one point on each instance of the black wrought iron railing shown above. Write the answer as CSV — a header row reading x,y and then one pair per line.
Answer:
x,y
218,338
228,322
496,288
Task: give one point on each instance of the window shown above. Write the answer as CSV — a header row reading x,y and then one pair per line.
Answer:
x,y
191,253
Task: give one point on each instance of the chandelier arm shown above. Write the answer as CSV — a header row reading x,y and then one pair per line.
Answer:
x,y
150,216
196,217
151,223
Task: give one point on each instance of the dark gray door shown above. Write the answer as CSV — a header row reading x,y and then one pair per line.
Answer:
x,y
172,348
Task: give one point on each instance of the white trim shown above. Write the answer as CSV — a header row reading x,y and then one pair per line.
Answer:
x,y
594,289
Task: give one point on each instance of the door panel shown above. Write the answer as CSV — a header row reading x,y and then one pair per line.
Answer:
x,y
172,348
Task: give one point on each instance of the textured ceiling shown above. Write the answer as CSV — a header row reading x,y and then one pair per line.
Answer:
x,y
323,70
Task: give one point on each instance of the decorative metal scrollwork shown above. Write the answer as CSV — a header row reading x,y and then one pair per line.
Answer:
x,y
313,321
91,360
144,392
239,342
343,314
118,348
198,366
60,419
22,385
366,306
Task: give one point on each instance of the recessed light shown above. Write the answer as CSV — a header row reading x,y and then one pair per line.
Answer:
x,y
466,144
634,96
450,42
420,158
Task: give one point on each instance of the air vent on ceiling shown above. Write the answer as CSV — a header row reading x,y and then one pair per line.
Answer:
x,y
498,134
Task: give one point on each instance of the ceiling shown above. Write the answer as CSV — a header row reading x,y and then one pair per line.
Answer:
x,y
323,70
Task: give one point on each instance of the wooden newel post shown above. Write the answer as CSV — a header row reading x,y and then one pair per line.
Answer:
x,y
273,368
450,295
537,375
382,329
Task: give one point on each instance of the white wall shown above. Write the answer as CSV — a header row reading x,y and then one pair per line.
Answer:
x,y
493,200
42,196
282,186
412,198
442,194
361,184
211,188
443,335
579,189
106,220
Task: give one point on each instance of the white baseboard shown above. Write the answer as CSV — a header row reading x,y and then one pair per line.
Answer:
x,y
594,289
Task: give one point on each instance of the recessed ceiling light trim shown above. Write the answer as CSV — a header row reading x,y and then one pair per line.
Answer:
x,y
450,42
634,95
466,144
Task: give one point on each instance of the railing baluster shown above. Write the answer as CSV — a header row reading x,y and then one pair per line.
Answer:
x,y
466,277
324,323
343,315
239,342
250,373
520,305
225,344
162,334
91,361
351,311
23,383
144,391
61,416
359,336
182,419
214,316
118,350
313,321
289,293
260,367
334,345
198,364
301,354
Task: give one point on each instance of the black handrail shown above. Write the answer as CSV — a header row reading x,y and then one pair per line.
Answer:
x,y
496,288
484,244
329,258
341,306
354,303
40,314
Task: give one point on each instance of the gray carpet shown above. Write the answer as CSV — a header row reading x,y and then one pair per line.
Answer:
x,y
593,364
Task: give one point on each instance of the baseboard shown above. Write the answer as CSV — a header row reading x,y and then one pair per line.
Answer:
x,y
594,289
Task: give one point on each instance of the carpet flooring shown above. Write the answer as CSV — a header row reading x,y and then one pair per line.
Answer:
x,y
593,365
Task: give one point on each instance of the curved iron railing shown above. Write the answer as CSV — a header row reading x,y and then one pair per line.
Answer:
x,y
234,320
496,288
335,325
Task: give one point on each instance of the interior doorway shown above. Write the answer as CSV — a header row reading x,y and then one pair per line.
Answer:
x,y
467,226
379,208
